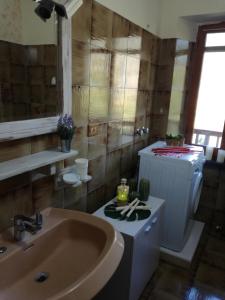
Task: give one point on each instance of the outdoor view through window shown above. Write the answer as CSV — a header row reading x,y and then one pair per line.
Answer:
x,y
210,112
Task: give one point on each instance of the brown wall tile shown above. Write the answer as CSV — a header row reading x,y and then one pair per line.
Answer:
x,y
14,149
132,72
81,98
99,104
101,33
81,22
116,105
96,199
42,193
6,211
23,204
43,142
113,165
96,169
118,70
76,198
115,130
16,182
80,63
120,33
135,40
100,67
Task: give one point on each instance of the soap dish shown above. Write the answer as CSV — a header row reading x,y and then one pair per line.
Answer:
x,y
87,178
71,178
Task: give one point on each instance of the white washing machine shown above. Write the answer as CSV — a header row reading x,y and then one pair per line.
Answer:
x,y
178,180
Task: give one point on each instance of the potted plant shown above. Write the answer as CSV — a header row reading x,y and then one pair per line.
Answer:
x,y
174,140
65,130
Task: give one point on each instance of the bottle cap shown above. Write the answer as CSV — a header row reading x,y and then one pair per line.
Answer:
x,y
124,180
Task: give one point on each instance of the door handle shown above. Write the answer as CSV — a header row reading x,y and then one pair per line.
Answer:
x,y
148,228
154,221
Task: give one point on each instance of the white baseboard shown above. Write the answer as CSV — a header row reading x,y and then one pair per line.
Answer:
x,y
184,257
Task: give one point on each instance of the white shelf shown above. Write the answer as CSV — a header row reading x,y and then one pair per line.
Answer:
x,y
31,162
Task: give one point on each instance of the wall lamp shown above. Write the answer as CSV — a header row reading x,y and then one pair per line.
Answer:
x,y
45,8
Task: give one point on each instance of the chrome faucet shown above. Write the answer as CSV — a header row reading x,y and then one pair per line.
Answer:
x,y
141,131
22,223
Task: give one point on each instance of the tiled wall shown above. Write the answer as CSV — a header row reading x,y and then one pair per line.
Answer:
x,y
26,90
170,88
163,86
19,195
114,66
122,77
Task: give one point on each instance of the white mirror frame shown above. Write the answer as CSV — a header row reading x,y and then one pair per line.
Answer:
x,y
21,129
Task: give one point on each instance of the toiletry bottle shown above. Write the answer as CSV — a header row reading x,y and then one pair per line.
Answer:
x,y
122,192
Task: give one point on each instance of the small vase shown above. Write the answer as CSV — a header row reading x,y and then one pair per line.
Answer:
x,y
65,145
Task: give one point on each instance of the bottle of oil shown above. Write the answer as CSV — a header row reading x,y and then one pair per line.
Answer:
x,y
122,192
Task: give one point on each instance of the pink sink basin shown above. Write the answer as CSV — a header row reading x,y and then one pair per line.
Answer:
x,y
72,257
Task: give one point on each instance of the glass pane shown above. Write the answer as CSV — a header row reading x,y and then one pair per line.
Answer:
x,y
215,39
212,141
201,139
194,138
181,59
182,45
211,105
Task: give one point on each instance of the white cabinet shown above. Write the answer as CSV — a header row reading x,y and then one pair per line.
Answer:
x,y
141,254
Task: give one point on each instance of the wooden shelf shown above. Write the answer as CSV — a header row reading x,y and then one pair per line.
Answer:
x,y
31,162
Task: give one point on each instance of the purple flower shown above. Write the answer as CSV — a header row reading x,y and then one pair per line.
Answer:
x,y
65,127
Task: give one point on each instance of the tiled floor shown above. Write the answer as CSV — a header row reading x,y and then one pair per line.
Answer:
x,y
205,280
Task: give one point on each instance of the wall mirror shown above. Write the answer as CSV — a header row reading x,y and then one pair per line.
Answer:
x,y
31,73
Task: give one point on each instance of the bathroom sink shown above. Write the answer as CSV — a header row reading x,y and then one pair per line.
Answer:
x,y
72,257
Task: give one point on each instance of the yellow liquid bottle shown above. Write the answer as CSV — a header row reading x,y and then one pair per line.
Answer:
x,y
122,192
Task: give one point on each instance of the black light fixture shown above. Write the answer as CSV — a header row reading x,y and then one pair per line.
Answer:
x,y
60,10
45,8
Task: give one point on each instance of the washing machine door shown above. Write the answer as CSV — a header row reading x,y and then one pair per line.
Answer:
x,y
197,188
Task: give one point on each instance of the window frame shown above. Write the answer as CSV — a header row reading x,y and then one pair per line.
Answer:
x,y
195,76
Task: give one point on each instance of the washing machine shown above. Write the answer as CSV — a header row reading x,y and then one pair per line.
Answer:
x,y
177,179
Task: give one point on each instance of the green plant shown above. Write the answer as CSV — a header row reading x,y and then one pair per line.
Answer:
x,y
132,185
174,137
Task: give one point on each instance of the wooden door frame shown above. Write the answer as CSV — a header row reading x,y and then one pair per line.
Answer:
x,y
195,75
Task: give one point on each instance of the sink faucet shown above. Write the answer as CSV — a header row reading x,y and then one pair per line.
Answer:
x,y
23,223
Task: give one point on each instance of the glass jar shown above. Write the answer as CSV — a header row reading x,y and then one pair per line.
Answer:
x,y
122,192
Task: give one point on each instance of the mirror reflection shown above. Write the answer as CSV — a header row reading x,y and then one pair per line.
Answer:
x,y
28,63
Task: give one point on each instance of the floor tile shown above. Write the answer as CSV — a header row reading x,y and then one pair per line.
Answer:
x,y
204,280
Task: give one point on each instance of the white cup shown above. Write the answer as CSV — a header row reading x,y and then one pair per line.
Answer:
x,y
82,167
220,156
